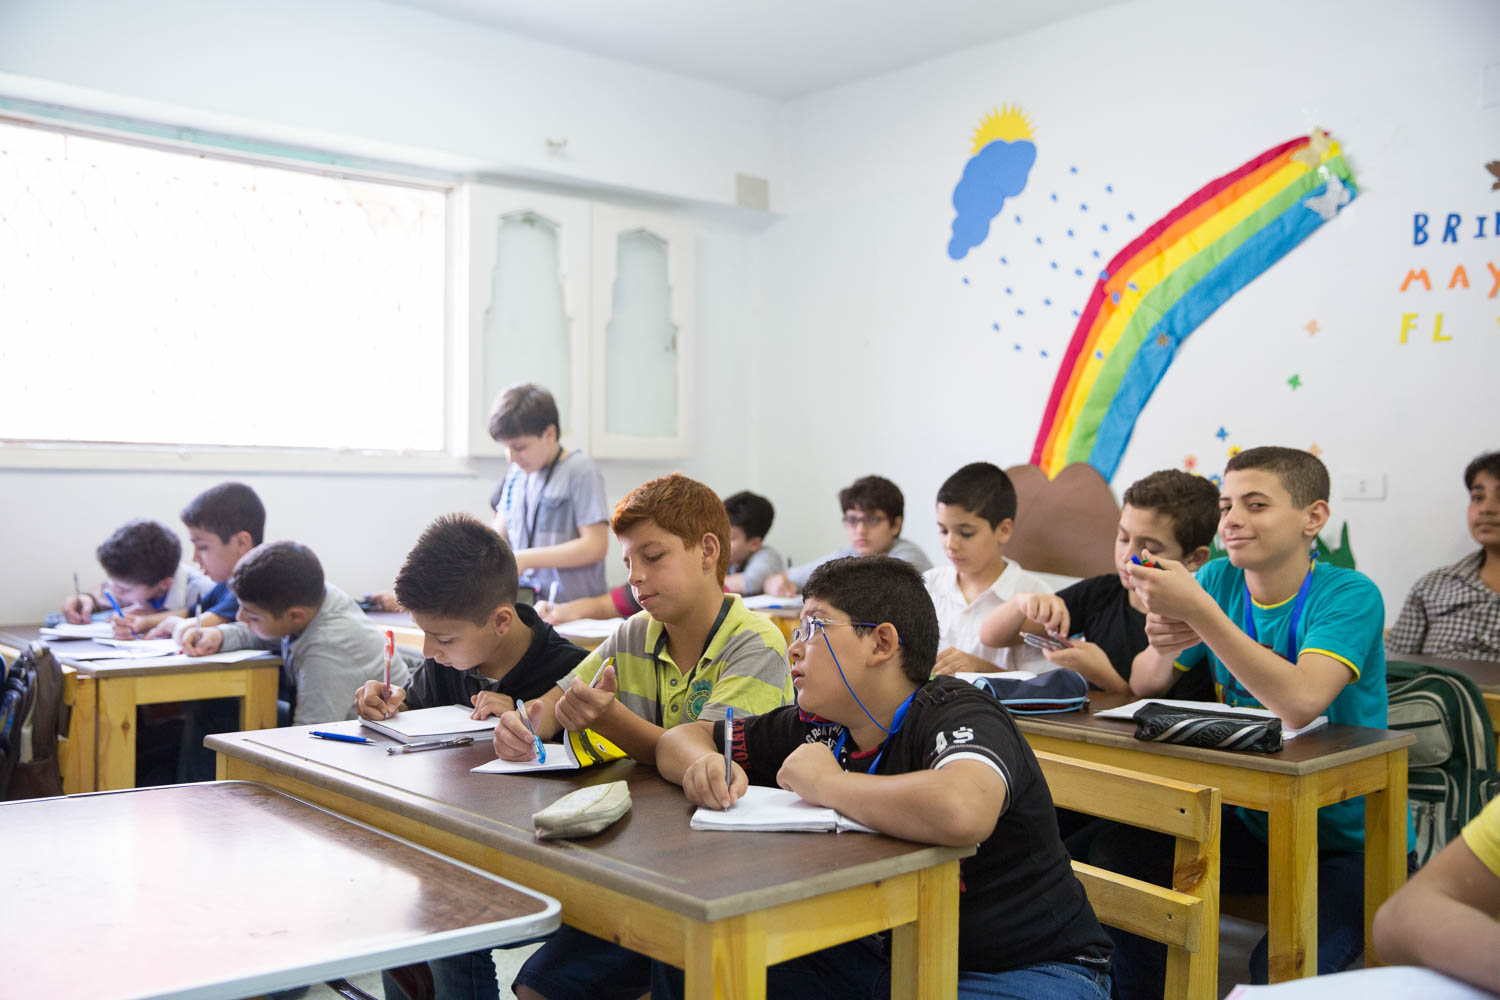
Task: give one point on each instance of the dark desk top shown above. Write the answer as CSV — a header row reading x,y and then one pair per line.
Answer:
x,y
19,636
230,889
650,854
1484,673
1323,748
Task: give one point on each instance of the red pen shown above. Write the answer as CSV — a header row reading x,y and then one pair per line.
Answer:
x,y
390,650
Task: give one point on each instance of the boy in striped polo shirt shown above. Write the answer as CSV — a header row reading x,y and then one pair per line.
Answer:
x,y
692,652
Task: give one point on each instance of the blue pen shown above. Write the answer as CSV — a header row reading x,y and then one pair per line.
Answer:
x,y
728,743
340,737
116,605
541,751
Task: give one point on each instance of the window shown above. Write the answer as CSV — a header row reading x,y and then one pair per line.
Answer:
x,y
161,297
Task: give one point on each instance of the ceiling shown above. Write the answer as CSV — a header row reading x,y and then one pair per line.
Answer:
x,y
774,48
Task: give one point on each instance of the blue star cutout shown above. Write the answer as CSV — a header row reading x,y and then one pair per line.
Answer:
x,y
1221,434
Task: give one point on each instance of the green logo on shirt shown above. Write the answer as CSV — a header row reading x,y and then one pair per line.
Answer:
x,y
697,697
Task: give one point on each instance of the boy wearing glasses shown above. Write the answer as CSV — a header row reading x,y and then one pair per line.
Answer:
x,y
872,506
929,760
690,654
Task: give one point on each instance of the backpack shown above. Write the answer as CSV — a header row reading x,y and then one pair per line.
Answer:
x,y
32,719
1451,767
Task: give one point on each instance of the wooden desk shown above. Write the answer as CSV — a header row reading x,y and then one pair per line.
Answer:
x,y
402,627
227,890
720,906
1484,673
1322,767
104,694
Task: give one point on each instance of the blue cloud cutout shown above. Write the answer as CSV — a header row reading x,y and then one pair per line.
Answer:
x,y
996,172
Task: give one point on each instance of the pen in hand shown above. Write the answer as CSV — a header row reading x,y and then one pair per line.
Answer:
x,y
728,745
116,605
541,751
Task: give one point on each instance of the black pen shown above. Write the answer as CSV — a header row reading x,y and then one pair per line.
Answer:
x,y
457,741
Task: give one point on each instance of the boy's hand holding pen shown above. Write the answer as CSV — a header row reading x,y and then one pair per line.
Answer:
x,y
583,704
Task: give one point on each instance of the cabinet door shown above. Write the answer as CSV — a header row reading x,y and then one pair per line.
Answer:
x,y
643,334
529,288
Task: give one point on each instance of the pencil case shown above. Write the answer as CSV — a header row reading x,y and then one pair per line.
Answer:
x,y
1211,730
1059,690
584,812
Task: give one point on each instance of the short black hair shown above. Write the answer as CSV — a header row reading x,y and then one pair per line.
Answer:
x,y
460,568
981,488
277,576
1191,502
141,551
873,494
1489,462
226,510
751,513
1300,472
881,589
523,408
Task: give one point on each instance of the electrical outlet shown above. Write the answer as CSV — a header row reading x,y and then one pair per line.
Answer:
x,y
1364,486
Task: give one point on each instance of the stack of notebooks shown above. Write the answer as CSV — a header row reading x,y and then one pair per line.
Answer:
x,y
775,810
447,722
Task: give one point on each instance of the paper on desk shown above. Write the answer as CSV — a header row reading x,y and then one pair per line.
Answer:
x,y
769,602
1127,712
88,630
1391,982
588,628
560,757
772,810
114,653
233,656
143,647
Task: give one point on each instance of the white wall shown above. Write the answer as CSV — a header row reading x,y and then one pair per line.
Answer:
x,y
390,79
897,369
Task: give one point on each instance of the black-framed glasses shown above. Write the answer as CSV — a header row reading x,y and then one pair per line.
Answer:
x,y
809,629
852,521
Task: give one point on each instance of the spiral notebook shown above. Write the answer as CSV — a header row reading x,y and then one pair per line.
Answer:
x,y
770,810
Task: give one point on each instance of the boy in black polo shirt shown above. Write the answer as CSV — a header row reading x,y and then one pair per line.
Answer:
x,y
483,649
935,761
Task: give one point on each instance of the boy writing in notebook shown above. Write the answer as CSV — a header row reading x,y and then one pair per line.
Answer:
x,y
930,760
976,510
224,522
1170,514
1283,632
483,649
873,507
327,645
147,580
690,654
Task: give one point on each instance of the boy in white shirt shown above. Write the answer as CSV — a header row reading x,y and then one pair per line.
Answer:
x,y
976,512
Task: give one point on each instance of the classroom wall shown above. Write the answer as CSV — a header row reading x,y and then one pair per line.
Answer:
x,y
390,80
896,364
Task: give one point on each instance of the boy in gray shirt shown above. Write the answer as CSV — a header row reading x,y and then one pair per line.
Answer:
x,y
751,560
873,507
327,645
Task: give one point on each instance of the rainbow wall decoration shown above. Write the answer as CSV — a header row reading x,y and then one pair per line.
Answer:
x,y
1167,281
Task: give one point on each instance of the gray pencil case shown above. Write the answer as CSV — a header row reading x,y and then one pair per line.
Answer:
x,y
584,812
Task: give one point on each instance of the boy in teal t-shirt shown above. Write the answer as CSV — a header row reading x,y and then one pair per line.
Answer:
x,y
1280,632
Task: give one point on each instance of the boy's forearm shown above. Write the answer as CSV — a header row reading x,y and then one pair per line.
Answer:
x,y
1002,627
925,806
679,747
1275,682
629,732
586,549
1151,673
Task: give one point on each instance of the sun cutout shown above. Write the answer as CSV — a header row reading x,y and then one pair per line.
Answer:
x,y
1009,123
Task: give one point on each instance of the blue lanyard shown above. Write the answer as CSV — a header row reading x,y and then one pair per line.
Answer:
x,y
1297,606
896,722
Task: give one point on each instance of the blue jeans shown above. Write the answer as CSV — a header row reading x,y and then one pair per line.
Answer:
x,y
573,965
1140,965
861,970
457,977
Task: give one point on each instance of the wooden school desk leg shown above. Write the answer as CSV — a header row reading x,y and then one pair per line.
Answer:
x,y
1492,703
258,706
924,954
1385,844
115,733
76,753
726,960
1293,890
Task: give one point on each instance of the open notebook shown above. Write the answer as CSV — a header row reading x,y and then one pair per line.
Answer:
x,y
771,810
442,722
1391,982
560,757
